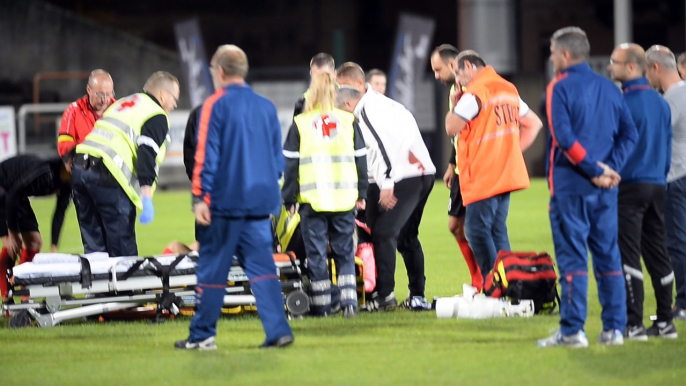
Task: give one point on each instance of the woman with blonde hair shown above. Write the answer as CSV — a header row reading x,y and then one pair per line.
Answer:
x,y
326,174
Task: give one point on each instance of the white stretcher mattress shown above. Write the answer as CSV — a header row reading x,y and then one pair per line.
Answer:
x,y
56,267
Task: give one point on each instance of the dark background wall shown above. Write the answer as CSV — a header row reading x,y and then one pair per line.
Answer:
x,y
37,37
133,39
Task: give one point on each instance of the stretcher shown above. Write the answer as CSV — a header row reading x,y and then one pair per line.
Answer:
x,y
61,287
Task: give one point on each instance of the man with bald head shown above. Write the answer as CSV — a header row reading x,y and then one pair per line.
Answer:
x,y
77,121
238,163
115,169
80,116
662,74
642,194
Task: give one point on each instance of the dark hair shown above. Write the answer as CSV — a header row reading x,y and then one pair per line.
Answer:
x,y
351,70
375,72
446,52
322,59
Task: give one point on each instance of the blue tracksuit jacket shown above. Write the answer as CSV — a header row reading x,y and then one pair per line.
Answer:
x,y
235,124
650,161
589,122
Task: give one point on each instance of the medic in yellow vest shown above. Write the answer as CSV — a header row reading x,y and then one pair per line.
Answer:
x,y
326,173
116,167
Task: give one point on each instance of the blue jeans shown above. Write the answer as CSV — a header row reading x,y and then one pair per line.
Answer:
x,y
486,229
675,224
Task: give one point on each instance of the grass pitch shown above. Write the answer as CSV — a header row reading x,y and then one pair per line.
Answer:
x,y
395,348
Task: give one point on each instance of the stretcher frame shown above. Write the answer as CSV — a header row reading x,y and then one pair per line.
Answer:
x,y
55,302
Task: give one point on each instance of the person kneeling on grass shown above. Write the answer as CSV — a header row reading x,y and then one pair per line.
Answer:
x,y
22,177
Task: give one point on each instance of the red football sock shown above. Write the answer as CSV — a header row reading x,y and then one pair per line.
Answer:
x,y
6,262
27,256
474,271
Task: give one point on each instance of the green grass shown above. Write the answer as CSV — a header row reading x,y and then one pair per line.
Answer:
x,y
398,348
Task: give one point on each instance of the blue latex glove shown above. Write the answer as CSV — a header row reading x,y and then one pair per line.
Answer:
x,y
148,212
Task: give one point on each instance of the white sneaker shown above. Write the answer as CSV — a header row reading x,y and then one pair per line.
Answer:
x,y
207,344
611,338
577,340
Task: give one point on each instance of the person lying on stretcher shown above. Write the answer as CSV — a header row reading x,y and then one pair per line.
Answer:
x,y
177,248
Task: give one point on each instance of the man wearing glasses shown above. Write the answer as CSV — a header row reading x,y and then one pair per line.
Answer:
x,y
79,118
77,121
641,197
115,168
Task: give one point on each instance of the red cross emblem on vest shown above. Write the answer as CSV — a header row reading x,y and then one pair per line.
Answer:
x,y
328,126
130,102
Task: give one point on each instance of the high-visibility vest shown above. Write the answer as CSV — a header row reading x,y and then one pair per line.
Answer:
x,y
327,171
115,139
489,155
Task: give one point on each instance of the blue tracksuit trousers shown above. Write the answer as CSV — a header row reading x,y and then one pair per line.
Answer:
x,y
578,222
250,241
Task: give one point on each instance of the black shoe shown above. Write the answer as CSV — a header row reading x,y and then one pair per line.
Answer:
x,y
376,303
668,331
207,344
350,312
638,333
387,303
281,342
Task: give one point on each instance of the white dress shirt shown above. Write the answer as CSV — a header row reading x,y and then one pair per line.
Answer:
x,y
402,153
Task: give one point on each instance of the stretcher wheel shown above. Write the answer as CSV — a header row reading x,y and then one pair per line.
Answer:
x,y
20,319
297,303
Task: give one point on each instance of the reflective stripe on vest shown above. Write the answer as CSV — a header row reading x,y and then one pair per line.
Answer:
x,y
328,185
115,139
121,126
128,173
326,159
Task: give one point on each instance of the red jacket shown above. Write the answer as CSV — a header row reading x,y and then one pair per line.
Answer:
x,y
77,121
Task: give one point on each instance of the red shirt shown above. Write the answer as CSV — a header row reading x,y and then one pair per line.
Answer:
x,y
77,122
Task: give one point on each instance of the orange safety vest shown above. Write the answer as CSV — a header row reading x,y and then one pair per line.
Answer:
x,y
489,155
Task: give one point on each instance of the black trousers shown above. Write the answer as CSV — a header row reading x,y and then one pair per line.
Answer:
x,y
107,217
642,232
398,228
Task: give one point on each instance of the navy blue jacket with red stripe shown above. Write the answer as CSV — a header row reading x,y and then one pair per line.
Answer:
x,y
589,122
650,161
239,160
